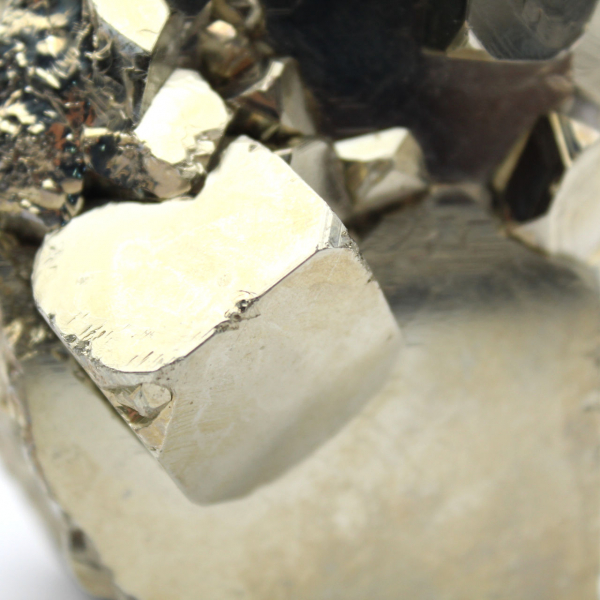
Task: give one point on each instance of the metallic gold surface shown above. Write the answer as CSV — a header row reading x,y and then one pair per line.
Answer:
x,y
166,155
228,57
24,329
315,160
209,397
226,332
481,449
41,169
144,39
276,104
382,168
63,68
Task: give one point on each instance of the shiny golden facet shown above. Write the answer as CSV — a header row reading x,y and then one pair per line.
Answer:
x,y
234,333
167,154
315,160
382,168
486,432
275,104
144,38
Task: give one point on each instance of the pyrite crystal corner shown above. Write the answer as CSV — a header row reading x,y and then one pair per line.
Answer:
x,y
470,449
275,104
167,154
143,39
382,168
234,333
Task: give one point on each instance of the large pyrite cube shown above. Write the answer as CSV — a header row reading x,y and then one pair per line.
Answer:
x,y
234,333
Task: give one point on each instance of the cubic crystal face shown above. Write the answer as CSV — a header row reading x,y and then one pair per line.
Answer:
x,y
438,445
166,155
185,122
227,56
234,332
140,27
274,104
382,168
144,39
245,420
65,69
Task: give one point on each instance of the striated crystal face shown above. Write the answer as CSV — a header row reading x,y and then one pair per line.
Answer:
x,y
300,298
530,29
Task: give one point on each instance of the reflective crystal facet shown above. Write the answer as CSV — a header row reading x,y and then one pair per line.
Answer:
x,y
382,168
243,419
166,155
234,333
275,104
143,39
315,160
41,168
227,57
468,389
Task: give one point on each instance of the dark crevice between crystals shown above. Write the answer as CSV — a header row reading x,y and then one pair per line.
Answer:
x,y
529,192
365,64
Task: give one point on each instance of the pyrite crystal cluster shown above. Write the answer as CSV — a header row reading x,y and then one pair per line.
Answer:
x,y
301,299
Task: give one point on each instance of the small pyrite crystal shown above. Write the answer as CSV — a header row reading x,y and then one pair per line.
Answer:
x,y
166,155
301,299
382,168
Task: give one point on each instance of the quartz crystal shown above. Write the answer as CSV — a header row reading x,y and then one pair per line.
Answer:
x,y
224,332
